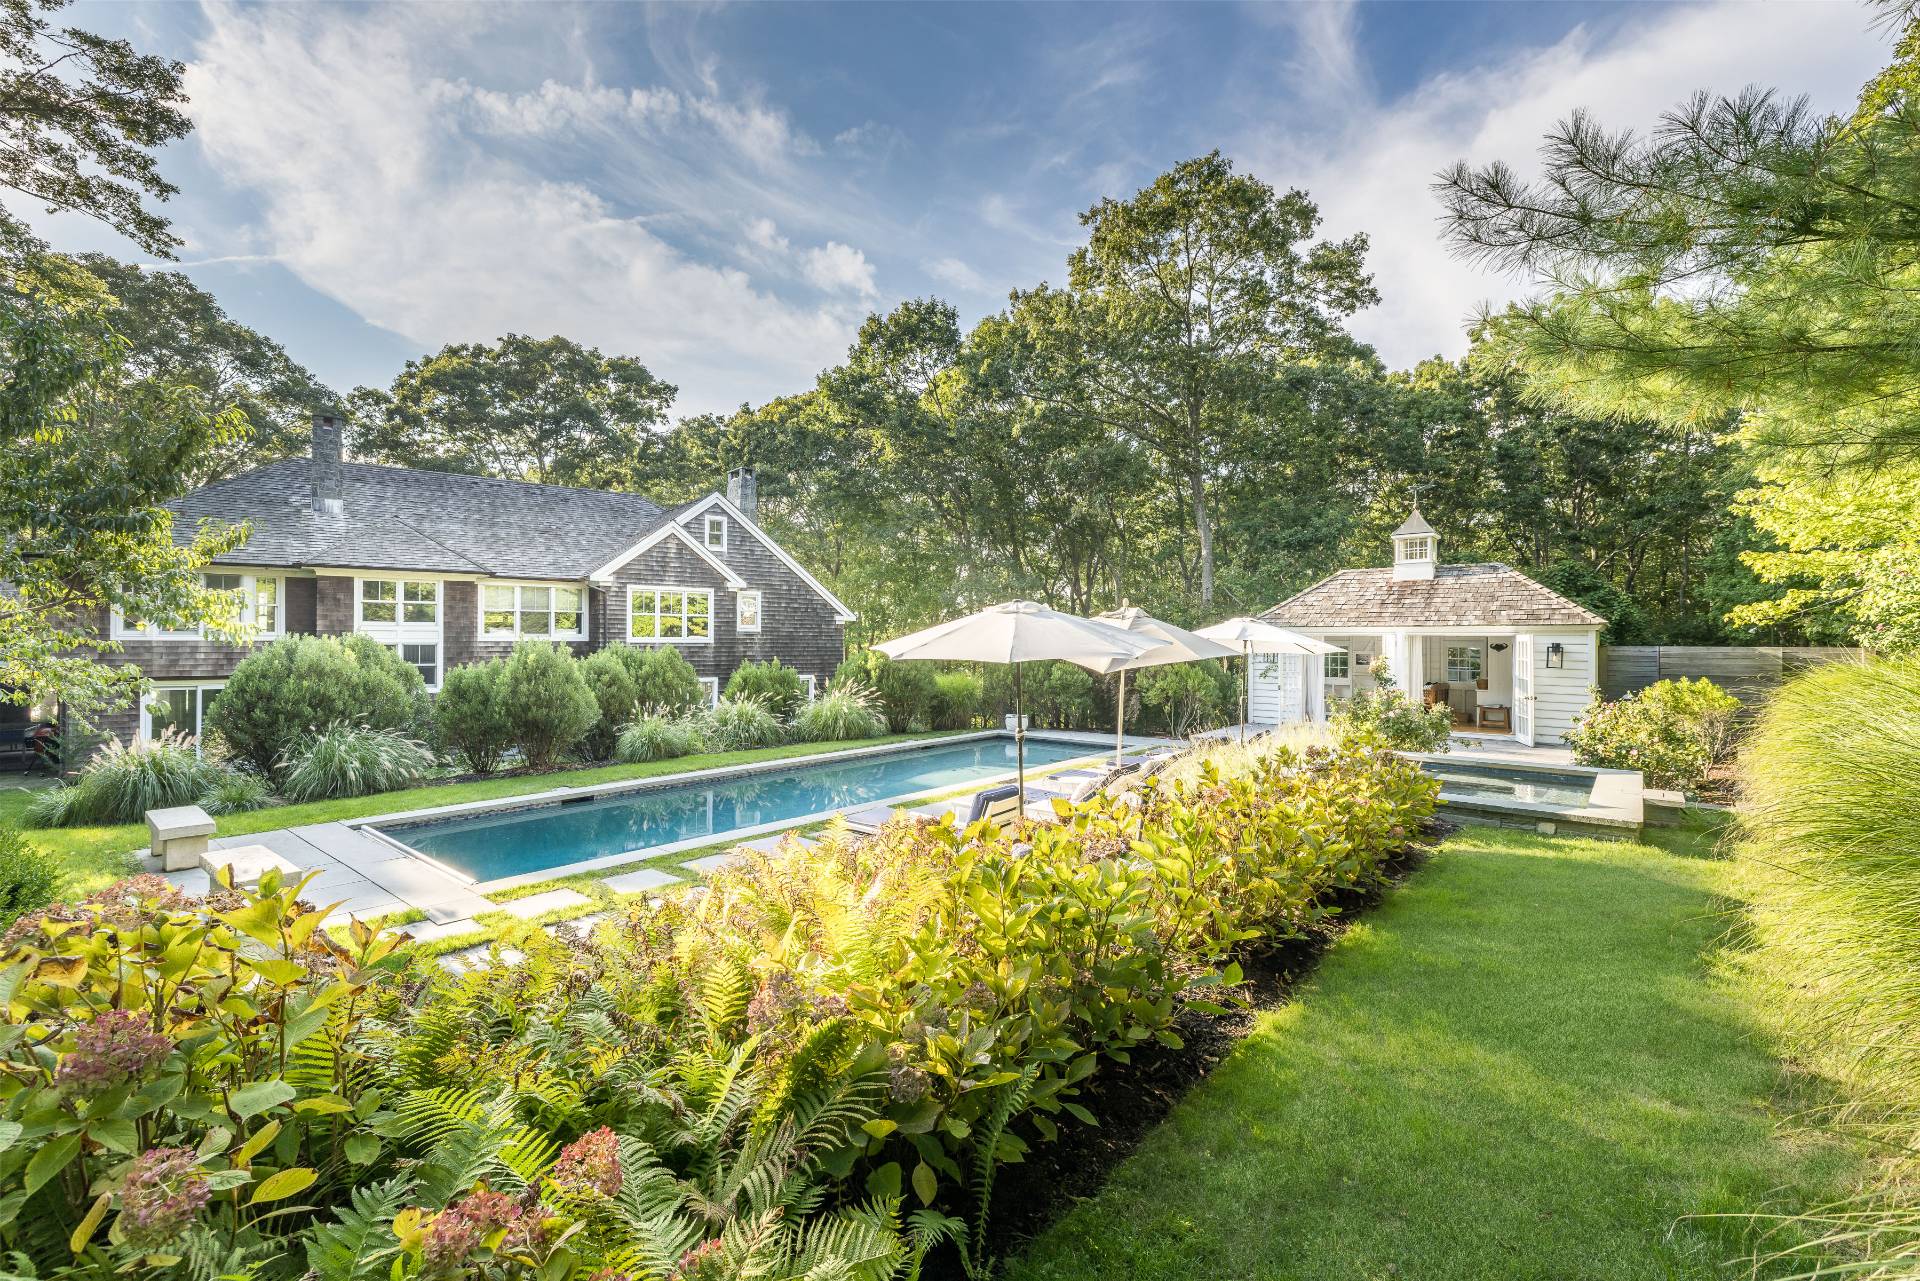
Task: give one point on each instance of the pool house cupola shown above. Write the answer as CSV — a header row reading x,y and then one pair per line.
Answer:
x,y
1416,549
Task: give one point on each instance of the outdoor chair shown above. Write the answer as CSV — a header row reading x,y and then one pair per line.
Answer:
x,y
21,743
999,805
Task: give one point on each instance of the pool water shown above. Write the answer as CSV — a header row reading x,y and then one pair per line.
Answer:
x,y
1538,786
510,842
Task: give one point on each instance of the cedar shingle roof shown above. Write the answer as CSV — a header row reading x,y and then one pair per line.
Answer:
x,y
437,522
1489,595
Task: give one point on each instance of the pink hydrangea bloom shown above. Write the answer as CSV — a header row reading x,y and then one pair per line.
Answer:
x,y
163,1193
111,1050
590,1161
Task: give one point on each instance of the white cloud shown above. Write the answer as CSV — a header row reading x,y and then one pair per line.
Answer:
x,y
839,268
763,234
391,187
1369,164
953,272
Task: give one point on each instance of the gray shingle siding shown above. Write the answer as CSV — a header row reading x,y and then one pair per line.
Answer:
x,y
797,625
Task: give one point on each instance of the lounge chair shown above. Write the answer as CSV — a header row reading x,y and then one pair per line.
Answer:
x,y
1000,805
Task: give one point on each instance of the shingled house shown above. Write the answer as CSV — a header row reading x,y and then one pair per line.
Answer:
x,y
446,569
1509,657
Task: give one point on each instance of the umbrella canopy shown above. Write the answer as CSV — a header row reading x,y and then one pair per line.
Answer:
x,y
1251,634
1177,645
1017,632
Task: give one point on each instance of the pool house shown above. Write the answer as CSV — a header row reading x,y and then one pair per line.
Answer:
x,y
1507,657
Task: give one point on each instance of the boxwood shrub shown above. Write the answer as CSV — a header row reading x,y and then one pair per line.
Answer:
x,y
301,684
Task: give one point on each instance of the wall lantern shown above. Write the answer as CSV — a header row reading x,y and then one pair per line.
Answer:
x,y
1556,655
1498,647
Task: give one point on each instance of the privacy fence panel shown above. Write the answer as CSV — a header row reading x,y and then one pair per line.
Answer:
x,y
1745,671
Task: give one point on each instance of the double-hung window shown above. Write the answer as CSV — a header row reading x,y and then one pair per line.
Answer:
x,y
714,533
510,611
1463,664
670,615
746,611
404,615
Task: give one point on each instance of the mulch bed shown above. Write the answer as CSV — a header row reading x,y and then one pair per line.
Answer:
x,y
1131,1099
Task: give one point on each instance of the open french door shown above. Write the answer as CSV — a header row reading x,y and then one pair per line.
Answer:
x,y
1523,688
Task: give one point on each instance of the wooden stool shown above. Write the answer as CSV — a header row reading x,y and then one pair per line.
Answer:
x,y
1496,716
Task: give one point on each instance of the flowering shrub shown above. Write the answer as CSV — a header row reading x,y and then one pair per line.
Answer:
x,y
878,1025
1673,732
1399,721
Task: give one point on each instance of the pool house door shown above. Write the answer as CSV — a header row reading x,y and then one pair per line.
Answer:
x,y
1523,688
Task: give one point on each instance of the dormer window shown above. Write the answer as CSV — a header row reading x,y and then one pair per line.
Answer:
x,y
1415,549
715,534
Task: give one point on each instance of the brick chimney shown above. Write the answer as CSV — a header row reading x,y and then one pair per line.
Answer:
x,y
325,472
743,491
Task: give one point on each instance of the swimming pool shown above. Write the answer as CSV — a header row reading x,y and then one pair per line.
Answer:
x,y
512,842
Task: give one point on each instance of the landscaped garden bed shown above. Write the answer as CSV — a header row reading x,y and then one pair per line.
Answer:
x,y
833,1055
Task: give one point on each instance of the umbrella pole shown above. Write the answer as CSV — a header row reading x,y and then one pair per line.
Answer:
x,y
1020,738
1120,721
1246,686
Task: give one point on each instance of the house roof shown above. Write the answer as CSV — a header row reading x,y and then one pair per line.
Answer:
x,y
435,522
1488,595
1415,524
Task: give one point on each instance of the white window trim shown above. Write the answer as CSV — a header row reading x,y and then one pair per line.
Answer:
x,y
759,611
120,629
841,613
811,683
1416,548
1446,663
200,689
399,631
711,684
1343,678
656,588
707,527
480,612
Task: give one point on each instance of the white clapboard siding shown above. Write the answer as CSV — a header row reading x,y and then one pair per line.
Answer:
x,y
1560,695
1276,698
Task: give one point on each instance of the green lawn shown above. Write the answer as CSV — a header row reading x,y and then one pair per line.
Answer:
x,y
1527,1063
96,855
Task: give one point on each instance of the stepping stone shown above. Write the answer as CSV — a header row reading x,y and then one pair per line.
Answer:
x,y
582,924
776,843
458,907
647,878
524,908
480,957
712,862
433,931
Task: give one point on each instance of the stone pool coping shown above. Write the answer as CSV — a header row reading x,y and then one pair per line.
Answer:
x,y
1615,805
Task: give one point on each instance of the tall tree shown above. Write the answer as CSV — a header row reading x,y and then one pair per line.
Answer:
x,y
79,115
1179,313
87,458
1748,258
178,332
541,409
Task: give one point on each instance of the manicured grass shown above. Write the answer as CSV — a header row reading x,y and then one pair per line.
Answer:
x,y
95,855
1529,1062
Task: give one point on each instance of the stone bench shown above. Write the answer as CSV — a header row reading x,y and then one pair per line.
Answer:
x,y
179,836
249,864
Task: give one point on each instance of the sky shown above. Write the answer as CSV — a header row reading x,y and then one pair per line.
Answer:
x,y
725,191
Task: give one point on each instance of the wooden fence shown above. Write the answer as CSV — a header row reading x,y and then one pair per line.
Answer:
x,y
1747,672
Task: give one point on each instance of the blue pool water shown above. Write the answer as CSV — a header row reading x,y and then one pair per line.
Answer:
x,y
509,842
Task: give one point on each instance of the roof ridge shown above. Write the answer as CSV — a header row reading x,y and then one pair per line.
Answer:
x,y
506,480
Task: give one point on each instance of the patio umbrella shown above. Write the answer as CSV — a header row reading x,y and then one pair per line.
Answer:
x,y
1017,632
1250,632
1175,645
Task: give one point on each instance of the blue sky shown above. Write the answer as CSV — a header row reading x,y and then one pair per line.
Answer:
x,y
725,191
